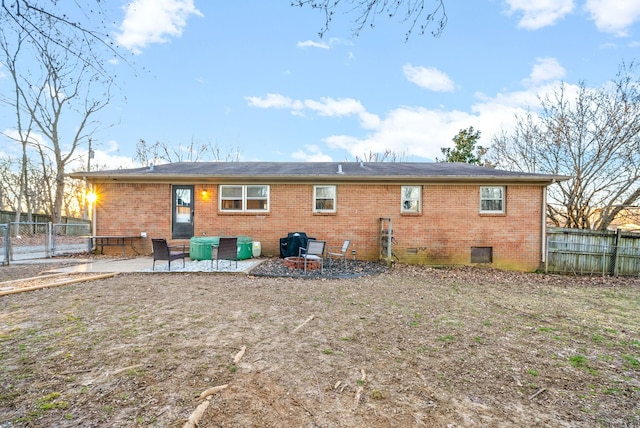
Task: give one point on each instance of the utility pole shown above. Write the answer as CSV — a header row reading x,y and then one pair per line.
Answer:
x,y
89,157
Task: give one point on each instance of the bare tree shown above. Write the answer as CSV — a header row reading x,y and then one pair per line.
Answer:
x,y
89,24
412,12
9,184
593,136
387,156
55,97
193,152
92,22
23,126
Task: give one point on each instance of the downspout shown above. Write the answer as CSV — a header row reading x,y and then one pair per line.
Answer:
x,y
93,205
543,241
93,220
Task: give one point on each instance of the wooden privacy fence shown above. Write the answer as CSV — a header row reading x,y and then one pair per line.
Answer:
x,y
593,252
10,217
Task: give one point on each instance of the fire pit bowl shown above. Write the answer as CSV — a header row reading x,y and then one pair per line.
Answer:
x,y
298,263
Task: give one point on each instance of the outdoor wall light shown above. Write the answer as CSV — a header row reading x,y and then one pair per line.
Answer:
x,y
91,197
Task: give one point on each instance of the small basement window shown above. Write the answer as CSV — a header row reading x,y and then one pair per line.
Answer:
x,y
481,254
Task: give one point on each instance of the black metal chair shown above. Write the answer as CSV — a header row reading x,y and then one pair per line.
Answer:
x,y
162,251
227,249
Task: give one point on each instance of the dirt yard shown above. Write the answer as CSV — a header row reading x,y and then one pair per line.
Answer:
x,y
414,347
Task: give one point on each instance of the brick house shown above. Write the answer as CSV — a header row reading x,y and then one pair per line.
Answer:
x,y
439,213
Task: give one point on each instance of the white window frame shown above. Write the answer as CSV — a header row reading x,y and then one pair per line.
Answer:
x,y
501,199
334,198
243,198
405,204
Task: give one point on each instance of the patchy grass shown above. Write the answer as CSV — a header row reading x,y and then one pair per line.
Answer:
x,y
412,347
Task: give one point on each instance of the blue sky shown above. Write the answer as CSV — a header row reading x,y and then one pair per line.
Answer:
x,y
254,75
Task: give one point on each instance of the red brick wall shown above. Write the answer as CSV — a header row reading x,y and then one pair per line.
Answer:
x,y
442,234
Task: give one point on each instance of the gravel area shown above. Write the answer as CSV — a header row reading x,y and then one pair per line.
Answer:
x,y
354,268
205,266
275,267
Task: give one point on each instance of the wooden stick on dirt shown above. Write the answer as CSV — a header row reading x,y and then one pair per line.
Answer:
x,y
356,400
123,369
540,391
197,414
39,277
57,284
302,405
302,325
213,390
239,355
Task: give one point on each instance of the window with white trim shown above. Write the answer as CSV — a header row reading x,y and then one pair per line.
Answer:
x,y
411,199
492,199
324,199
236,197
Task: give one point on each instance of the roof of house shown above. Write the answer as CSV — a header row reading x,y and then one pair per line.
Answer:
x,y
272,172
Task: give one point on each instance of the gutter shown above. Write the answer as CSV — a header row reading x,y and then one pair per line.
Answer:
x,y
342,178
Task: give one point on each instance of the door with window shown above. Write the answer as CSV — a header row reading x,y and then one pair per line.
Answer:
x,y
183,210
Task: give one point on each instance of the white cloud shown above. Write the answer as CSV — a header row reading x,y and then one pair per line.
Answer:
x,y
544,70
311,153
614,16
35,139
153,21
106,157
540,13
428,78
413,131
419,132
312,44
326,106
334,41
271,101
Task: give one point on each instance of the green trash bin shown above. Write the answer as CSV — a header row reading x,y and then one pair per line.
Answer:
x,y
200,247
245,250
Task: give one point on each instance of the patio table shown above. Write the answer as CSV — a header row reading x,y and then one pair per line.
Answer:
x,y
112,241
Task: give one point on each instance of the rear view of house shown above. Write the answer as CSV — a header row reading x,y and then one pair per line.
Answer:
x,y
416,213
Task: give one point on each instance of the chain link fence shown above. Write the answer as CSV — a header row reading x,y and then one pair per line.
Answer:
x,y
4,244
34,240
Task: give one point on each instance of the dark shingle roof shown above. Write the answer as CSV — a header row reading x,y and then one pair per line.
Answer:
x,y
316,171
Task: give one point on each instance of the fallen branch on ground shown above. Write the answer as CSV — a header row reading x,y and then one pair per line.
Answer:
x,y
302,325
123,369
56,284
540,391
302,405
239,355
197,414
213,390
356,400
